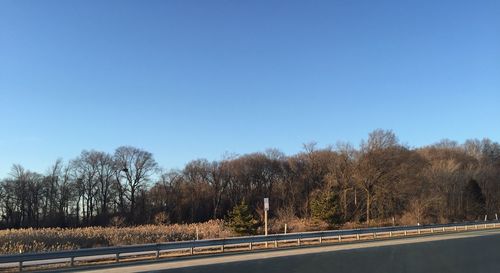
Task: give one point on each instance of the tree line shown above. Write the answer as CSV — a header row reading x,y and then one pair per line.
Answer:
x,y
379,180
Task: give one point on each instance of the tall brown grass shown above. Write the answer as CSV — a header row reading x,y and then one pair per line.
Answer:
x,y
54,239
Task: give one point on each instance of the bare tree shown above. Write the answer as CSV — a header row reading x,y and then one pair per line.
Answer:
x,y
106,170
380,139
138,166
86,171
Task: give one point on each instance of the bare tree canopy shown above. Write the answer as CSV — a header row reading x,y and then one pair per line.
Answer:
x,y
381,179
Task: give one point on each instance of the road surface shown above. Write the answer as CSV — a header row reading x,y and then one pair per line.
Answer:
x,y
475,251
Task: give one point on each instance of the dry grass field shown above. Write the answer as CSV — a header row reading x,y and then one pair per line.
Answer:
x,y
53,239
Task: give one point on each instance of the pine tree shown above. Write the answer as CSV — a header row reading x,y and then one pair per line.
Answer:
x,y
241,220
325,206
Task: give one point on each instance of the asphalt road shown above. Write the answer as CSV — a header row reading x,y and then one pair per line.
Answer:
x,y
477,251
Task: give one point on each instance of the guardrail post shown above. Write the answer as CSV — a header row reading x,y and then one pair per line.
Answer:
x,y
72,261
466,227
406,232
390,233
191,251
157,254
455,228
298,242
222,248
20,266
443,229
320,239
374,235
475,226
275,244
250,246
418,231
340,238
117,257
357,237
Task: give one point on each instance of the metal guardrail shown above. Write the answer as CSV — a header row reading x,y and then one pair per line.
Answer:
x,y
339,235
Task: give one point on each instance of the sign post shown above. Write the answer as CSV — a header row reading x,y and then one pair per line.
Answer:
x,y
266,209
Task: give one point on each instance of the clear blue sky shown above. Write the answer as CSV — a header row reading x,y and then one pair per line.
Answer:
x,y
194,79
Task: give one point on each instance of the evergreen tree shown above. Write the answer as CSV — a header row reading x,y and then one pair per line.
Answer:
x,y
325,206
241,220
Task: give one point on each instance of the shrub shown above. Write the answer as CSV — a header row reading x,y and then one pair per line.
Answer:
x,y
325,206
241,220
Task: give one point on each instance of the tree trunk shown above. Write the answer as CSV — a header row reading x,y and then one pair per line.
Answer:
x,y
368,203
345,204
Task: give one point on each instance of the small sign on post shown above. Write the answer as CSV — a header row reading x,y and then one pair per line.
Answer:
x,y
266,209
